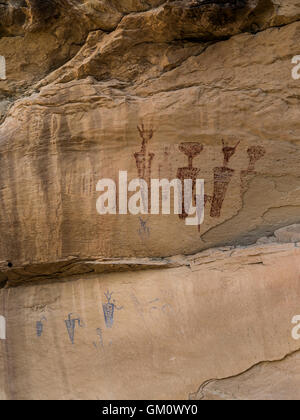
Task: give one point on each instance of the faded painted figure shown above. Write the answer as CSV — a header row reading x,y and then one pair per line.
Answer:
x,y
191,150
40,326
255,153
144,158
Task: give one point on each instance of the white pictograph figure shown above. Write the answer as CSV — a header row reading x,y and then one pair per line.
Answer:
x,y
2,68
2,328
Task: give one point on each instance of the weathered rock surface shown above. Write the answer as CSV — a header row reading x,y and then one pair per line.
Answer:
x,y
182,72
88,84
288,234
163,331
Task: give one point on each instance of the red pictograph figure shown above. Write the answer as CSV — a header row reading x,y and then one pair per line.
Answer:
x,y
191,150
144,158
2,68
222,178
255,153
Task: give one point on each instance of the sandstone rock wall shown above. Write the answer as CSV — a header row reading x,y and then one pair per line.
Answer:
x,y
88,84
165,332
203,82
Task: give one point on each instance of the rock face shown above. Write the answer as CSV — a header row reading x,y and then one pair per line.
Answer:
x,y
165,332
160,89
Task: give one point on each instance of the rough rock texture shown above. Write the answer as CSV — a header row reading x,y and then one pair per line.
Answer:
x,y
288,234
182,68
89,84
